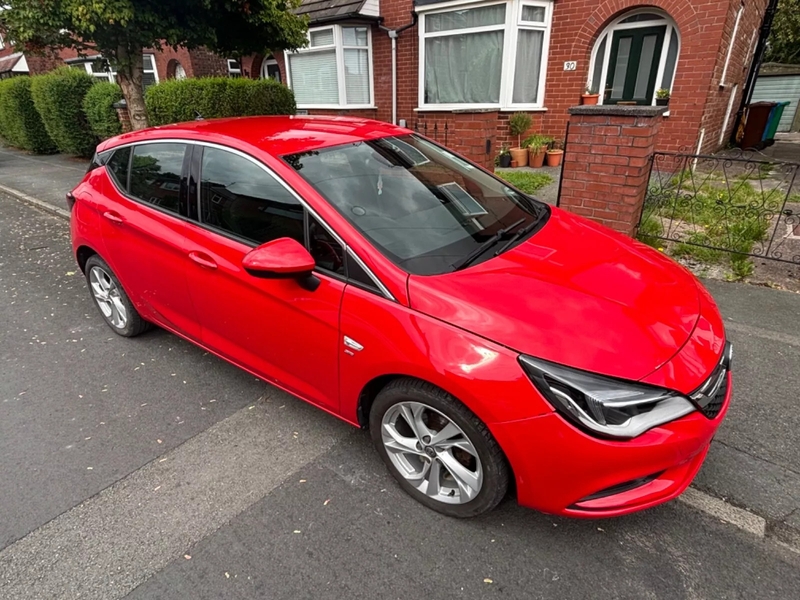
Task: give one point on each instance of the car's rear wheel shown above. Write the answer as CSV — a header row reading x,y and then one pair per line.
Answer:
x,y
111,300
437,449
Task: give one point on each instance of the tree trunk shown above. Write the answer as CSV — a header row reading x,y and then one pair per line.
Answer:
x,y
129,77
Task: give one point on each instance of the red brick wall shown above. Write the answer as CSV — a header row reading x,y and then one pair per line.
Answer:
x,y
738,67
206,64
705,28
607,166
467,133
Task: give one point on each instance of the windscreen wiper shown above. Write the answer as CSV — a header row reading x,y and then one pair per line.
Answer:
x,y
519,235
499,235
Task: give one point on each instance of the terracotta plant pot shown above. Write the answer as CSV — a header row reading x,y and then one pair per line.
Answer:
x,y
590,99
554,157
514,164
520,155
537,158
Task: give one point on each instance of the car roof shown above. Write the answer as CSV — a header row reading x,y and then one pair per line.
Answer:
x,y
278,136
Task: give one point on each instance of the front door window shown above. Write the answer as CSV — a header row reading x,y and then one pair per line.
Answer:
x,y
635,56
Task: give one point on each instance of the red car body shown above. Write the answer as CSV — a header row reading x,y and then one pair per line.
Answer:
x,y
576,294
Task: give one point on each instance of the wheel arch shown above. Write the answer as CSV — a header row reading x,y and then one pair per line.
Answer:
x,y
83,254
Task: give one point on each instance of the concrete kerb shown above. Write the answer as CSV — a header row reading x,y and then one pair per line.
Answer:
x,y
40,204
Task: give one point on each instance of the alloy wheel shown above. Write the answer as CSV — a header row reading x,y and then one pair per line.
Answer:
x,y
107,295
431,452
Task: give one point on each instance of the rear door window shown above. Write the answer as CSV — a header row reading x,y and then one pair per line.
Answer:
x,y
155,174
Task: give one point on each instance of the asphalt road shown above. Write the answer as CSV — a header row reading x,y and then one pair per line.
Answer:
x,y
148,469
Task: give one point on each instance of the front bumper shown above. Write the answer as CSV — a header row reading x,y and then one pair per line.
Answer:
x,y
557,466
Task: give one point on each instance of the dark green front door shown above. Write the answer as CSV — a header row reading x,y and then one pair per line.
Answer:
x,y
633,65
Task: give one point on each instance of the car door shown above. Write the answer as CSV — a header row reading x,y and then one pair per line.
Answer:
x,y
273,327
143,210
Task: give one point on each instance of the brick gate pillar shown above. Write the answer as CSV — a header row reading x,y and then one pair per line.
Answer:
x,y
607,163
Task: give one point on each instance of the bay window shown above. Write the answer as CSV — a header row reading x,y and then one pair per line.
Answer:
x,y
489,55
335,70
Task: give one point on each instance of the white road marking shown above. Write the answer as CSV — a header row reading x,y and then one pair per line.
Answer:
x,y
720,509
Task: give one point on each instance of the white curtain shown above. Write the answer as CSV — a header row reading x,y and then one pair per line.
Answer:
x,y
528,66
463,69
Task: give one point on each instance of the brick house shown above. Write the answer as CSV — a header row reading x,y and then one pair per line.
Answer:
x,y
463,67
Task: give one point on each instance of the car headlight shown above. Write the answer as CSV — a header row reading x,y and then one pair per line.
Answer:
x,y
603,405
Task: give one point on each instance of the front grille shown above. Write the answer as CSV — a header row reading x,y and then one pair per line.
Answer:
x,y
710,396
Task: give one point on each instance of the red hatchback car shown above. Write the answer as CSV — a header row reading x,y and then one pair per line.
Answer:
x,y
479,334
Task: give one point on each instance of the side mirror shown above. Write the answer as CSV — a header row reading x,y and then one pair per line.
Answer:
x,y
283,258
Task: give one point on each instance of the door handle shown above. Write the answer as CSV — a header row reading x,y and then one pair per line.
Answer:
x,y
203,260
113,217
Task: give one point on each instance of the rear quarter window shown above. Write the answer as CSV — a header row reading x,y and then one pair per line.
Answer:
x,y
117,166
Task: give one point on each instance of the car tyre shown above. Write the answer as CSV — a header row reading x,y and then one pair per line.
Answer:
x,y
111,300
467,472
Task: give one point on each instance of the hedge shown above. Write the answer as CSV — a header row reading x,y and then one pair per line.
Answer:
x,y
58,97
175,101
20,123
98,105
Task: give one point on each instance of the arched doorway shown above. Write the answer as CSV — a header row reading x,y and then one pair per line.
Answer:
x,y
634,56
270,69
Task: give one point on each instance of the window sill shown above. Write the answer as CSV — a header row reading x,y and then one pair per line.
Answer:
x,y
478,109
336,107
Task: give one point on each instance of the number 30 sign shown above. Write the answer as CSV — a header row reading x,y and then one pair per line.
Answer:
x,y
570,65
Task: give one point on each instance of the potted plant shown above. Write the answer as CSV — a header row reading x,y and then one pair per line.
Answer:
x,y
555,154
537,146
662,97
518,124
504,157
589,97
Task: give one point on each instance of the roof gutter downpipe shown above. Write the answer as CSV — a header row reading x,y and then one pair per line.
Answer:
x,y
393,35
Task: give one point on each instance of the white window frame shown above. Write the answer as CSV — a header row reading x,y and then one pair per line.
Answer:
x,y
339,47
511,27
155,68
111,74
2,42
617,25
731,43
233,71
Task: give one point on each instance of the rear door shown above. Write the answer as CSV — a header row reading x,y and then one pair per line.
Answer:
x,y
144,222
274,327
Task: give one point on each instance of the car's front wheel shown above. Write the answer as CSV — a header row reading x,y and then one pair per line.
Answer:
x,y
437,449
112,301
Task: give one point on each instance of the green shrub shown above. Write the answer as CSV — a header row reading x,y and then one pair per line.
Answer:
x,y
20,123
175,101
58,97
98,106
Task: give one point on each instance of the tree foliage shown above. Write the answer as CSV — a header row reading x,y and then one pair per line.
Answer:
x,y
784,40
121,29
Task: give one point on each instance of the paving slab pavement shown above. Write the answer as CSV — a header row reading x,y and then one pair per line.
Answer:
x,y
47,177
